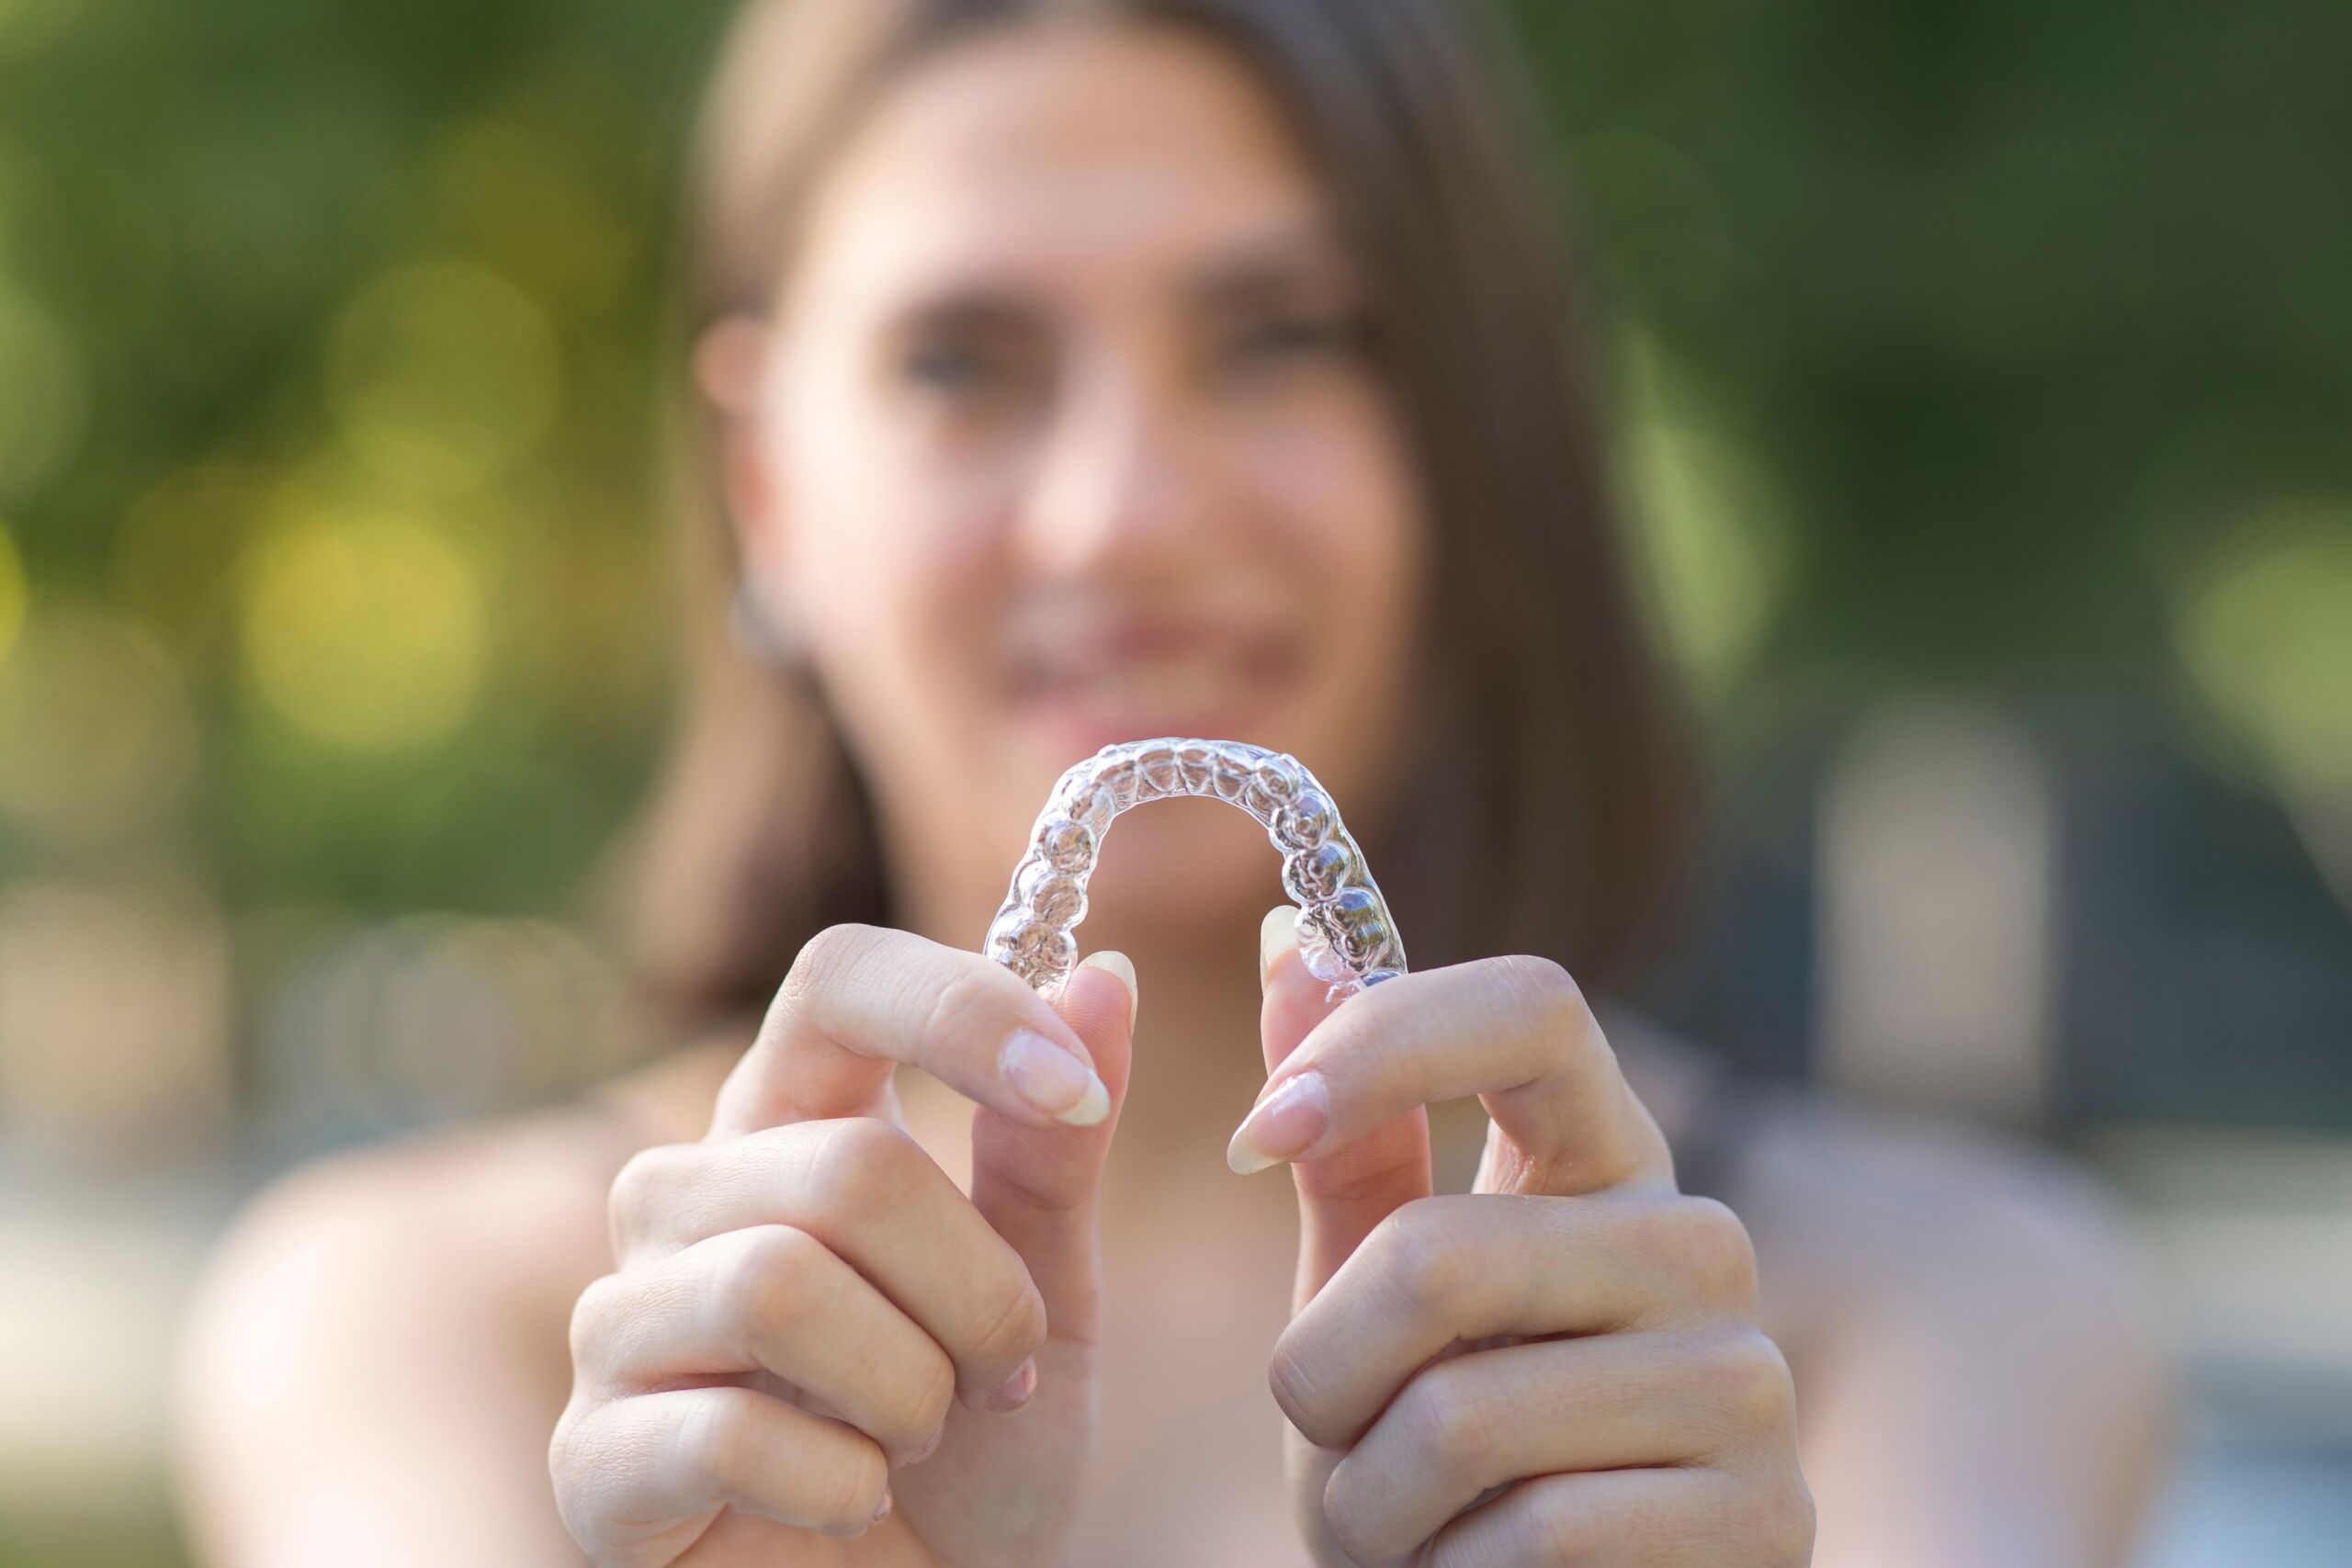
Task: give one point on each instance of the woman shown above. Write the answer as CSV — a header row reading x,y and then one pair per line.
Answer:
x,y
1075,372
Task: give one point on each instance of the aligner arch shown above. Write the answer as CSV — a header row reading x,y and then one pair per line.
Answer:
x,y
1345,932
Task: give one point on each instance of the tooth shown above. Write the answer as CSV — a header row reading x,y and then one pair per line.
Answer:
x,y
1166,684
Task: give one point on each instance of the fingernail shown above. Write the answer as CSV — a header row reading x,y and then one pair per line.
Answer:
x,y
1116,965
882,1510
1014,1391
1052,1080
930,1446
1277,934
1283,1126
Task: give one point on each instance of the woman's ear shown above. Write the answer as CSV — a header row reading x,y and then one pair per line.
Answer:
x,y
730,366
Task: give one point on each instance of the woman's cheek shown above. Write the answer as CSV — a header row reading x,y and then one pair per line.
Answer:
x,y
1360,542
1331,465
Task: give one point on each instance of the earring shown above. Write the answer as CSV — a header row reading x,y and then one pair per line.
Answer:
x,y
762,633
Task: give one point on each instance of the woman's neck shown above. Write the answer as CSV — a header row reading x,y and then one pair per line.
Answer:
x,y
1199,1065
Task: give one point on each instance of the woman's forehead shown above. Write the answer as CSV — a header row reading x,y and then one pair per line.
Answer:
x,y
1069,151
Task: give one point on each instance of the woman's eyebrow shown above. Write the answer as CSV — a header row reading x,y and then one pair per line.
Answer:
x,y
1273,269
975,310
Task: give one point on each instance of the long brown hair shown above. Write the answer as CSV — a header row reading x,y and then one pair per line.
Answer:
x,y
1547,804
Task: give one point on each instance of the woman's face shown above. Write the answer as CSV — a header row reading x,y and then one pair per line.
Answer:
x,y
1069,432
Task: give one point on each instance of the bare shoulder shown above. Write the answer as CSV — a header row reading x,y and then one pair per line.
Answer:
x,y
386,1311
1843,1193
425,1213
505,1216
1910,1265
1963,1309
1868,1194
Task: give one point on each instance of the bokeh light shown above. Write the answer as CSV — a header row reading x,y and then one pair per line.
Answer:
x,y
363,630
23,192
44,392
177,546
14,593
2265,630
97,739
442,374
28,27
115,1012
433,1017
519,191
1709,524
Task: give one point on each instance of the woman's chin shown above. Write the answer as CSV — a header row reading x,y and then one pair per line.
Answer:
x,y
1070,730
1178,872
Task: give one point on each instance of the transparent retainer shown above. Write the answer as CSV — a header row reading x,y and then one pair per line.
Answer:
x,y
1345,933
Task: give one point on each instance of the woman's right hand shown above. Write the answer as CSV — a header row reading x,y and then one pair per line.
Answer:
x,y
812,1334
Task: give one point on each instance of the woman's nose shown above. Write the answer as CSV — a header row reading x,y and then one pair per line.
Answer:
x,y
1116,483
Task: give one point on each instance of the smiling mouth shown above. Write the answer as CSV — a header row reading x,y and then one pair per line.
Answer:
x,y
1147,680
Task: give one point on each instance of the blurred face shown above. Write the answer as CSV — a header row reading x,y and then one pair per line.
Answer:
x,y
1068,432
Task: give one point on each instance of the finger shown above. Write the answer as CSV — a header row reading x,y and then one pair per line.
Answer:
x,y
1515,1031
1036,1186
662,1458
775,1299
1346,1193
1612,1401
873,1196
860,1000
1462,1268
1657,1518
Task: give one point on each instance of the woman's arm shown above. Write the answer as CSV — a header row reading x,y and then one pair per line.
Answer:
x,y
375,1358
1980,1377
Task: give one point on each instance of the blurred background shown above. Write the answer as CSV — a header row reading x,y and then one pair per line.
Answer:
x,y
1983,372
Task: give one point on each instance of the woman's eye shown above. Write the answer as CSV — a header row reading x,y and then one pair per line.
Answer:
x,y
1281,341
955,370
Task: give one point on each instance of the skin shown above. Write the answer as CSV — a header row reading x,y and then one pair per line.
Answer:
x,y
1003,413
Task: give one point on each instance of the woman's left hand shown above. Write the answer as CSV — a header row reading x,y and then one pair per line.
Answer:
x,y
1562,1365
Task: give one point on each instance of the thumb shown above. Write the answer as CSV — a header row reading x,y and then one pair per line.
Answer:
x,y
1345,1193
1037,1186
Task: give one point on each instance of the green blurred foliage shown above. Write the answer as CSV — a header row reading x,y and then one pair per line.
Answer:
x,y
326,372
1957,341
2022,304
142,1534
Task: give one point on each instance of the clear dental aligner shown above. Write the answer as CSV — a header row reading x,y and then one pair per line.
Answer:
x,y
1345,933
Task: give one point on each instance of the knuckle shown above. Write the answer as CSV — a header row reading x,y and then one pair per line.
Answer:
x,y
574,1470
1747,1378
1289,1375
642,1187
722,1442
566,1461
1785,1523
1012,1332
763,1277
597,1318
936,1392
1348,1515
1549,988
853,1488
1715,1249
1560,1530
1458,1427
821,959
968,1007
1430,1269
861,1165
